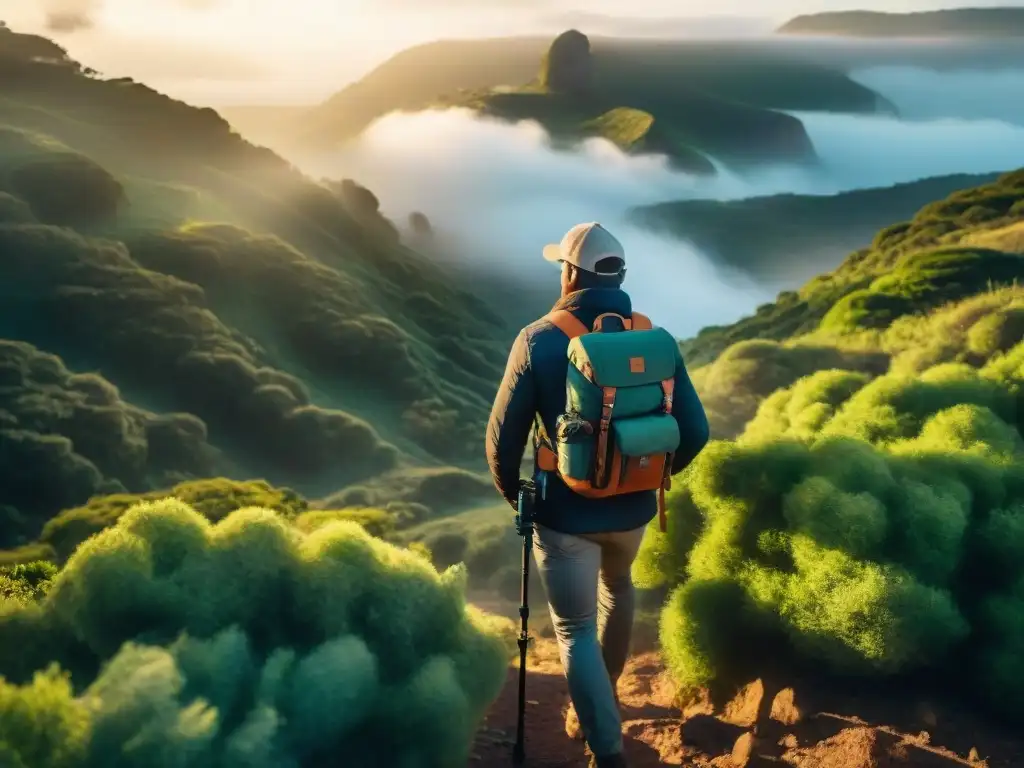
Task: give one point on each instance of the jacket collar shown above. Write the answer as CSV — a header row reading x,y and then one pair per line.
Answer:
x,y
594,301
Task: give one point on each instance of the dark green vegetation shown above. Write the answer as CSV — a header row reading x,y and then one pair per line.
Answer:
x,y
865,515
169,641
448,514
954,22
177,304
791,238
950,249
693,89
571,100
190,307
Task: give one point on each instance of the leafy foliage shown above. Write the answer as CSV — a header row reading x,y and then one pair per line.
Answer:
x,y
68,189
922,281
204,310
213,498
65,437
733,387
949,250
288,661
26,583
867,522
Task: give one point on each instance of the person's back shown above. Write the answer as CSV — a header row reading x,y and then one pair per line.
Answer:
x,y
588,535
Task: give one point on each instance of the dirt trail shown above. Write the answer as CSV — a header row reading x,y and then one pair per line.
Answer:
x,y
807,728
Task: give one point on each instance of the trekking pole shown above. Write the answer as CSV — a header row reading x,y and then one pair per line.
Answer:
x,y
524,527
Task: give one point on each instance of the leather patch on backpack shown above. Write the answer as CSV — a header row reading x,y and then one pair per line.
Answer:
x,y
636,365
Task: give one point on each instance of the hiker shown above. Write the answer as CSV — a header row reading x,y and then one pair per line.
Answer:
x,y
602,471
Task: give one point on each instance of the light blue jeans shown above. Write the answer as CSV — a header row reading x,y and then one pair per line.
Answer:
x,y
591,599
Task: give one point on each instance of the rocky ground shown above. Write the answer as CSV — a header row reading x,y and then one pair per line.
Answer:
x,y
801,725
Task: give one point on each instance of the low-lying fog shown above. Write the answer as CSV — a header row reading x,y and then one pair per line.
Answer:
x,y
503,192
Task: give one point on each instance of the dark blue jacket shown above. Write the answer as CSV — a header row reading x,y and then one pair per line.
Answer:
x,y
534,384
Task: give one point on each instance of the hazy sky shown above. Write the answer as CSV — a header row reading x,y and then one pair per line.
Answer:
x,y
245,51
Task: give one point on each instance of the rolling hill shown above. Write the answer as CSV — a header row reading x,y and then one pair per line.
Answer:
x,y
180,310
950,248
179,304
572,101
790,238
703,76
953,22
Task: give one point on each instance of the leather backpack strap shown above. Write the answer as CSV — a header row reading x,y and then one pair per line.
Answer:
x,y
641,322
668,387
604,425
567,323
627,324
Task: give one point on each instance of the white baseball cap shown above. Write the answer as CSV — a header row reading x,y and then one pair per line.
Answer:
x,y
585,245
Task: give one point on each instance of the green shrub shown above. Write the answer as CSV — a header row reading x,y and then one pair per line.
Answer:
x,y
417,494
41,724
448,549
875,525
246,643
26,582
67,188
939,255
733,387
214,498
67,436
997,332
377,522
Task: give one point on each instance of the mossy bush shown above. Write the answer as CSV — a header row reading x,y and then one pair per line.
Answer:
x,y
924,281
481,538
338,326
214,498
169,344
377,522
68,189
27,582
245,643
67,436
870,525
323,313
422,493
942,254
733,387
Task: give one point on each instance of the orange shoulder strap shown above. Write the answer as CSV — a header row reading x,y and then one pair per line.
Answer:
x,y
641,322
567,323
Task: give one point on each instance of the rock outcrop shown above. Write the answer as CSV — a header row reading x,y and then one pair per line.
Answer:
x,y
568,67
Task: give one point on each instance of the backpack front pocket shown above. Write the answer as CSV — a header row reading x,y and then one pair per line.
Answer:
x,y
642,446
646,435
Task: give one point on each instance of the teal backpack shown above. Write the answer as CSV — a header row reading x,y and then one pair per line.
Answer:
x,y
617,434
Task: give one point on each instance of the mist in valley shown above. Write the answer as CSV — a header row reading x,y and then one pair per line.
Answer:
x,y
497,192
981,93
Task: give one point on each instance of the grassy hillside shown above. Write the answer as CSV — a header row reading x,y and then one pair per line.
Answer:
x,y
698,73
860,513
954,22
949,249
865,520
864,516
791,237
176,303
